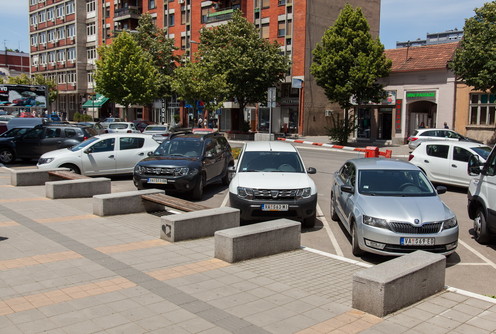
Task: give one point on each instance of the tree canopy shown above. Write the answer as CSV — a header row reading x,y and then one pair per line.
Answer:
x,y
249,63
37,79
475,60
347,63
125,72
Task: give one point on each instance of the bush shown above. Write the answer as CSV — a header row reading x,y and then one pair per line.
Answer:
x,y
236,151
339,132
78,117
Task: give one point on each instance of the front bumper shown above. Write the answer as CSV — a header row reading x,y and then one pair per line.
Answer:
x,y
445,242
251,209
175,183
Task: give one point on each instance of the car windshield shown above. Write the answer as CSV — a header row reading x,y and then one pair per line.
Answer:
x,y
483,151
179,148
270,161
15,132
117,126
83,144
404,183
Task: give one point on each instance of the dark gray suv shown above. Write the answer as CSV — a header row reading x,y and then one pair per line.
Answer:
x,y
31,144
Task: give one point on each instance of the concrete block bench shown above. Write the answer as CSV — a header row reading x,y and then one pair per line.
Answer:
x,y
33,177
125,202
403,281
257,240
198,224
80,187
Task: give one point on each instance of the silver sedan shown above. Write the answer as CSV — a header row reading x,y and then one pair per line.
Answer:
x,y
389,207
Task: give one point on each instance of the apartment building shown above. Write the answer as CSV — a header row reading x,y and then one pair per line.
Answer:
x,y
13,63
297,25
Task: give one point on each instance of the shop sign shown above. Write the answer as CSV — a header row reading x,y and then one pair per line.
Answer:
x,y
397,124
424,95
291,101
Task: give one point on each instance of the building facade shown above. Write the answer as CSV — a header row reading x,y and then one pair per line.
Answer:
x,y
448,36
65,35
13,63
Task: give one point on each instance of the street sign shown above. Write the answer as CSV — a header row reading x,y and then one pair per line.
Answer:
x,y
271,94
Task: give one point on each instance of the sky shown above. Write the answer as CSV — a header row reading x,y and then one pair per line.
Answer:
x,y
401,20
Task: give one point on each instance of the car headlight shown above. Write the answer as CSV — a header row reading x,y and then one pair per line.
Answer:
x,y
304,193
138,169
450,223
375,222
42,161
246,193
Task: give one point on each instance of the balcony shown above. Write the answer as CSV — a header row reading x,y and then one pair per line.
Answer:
x,y
223,15
127,13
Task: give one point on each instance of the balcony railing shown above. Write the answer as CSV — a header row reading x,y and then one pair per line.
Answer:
x,y
127,12
222,15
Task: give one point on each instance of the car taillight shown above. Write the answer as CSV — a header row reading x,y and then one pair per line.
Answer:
x,y
84,138
129,131
410,157
412,138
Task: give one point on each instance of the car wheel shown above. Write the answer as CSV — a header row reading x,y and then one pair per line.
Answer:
x,y
310,221
355,248
334,215
225,178
72,168
197,191
481,234
7,156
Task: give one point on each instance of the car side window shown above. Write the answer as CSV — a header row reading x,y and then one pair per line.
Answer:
x,y
461,154
52,133
438,151
210,147
34,134
69,133
430,133
491,165
130,143
106,145
347,174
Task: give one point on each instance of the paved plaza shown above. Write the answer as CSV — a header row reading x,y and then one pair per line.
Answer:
x,y
65,270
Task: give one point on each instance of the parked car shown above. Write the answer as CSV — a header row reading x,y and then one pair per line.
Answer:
x,y
271,182
97,126
40,139
142,124
21,122
446,162
482,197
159,132
389,207
121,127
422,135
186,163
106,154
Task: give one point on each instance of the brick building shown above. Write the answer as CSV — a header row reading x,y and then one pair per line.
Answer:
x,y
297,25
13,63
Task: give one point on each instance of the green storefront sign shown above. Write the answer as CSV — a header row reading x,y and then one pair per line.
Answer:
x,y
429,95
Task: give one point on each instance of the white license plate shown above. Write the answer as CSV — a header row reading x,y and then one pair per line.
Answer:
x,y
417,241
275,207
157,181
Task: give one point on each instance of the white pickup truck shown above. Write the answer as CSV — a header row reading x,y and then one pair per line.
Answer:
x,y
482,197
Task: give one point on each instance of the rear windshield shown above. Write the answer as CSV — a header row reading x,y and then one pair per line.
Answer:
x,y
117,126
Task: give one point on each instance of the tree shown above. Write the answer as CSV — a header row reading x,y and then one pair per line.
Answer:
x,y
125,72
153,40
347,64
38,80
250,63
475,59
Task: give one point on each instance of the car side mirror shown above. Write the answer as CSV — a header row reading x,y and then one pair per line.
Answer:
x,y
347,189
311,170
231,169
88,150
474,165
209,155
150,154
441,190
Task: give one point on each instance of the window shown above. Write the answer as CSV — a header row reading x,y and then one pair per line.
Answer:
x,y
51,35
43,58
69,8
438,151
42,16
50,14
171,20
71,76
482,109
61,33
265,31
33,2
33,19
90,29
281,29
51,56
90,79
461,154
71,54
183,42
42,38
103,146
265,3
34,60
61,55
184,15
91,54
151,4
60,11
289,27
131,143
71,30
347,174
69,133
34,40
204,14
90,6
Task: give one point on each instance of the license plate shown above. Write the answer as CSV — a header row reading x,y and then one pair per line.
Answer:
x,y
417,241
157,181
275,207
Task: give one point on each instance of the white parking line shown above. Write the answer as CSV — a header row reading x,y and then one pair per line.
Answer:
x,y
482,257
224,202
333,239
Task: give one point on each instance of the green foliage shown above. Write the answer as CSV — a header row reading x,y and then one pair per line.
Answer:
x,y
154,41
235,151
250,63
37,79
78,117
475,59
125,72
341,129
348,61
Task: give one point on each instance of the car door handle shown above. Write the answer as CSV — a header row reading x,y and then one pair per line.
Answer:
x,y
426,161
111,156
141,153
453,165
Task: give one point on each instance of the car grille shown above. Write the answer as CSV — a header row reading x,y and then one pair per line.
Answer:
x,y
274,194
159,170
411,229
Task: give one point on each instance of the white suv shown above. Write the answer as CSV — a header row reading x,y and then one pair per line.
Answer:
x,y
482,197
271,182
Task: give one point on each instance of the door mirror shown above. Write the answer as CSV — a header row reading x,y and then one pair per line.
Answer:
x,y
347,189
311,170
474,165
209,155
231,169
88,150
441,190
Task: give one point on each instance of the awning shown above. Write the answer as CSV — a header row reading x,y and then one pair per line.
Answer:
x,y
98,102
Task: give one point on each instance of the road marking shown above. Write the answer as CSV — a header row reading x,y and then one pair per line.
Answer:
x,y
482,257
224,202
334,241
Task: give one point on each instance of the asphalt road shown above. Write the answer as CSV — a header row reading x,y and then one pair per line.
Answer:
x,y
472,267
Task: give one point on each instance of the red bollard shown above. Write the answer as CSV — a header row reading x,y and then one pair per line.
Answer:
x,y
372,152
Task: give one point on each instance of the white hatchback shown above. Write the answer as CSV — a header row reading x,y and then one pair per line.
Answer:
x,y
106,154
446,161
121,127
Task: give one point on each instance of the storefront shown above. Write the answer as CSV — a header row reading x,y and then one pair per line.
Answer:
x,y
376,122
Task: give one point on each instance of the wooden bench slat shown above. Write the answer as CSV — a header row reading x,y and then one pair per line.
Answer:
x,y
174,202
68,175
